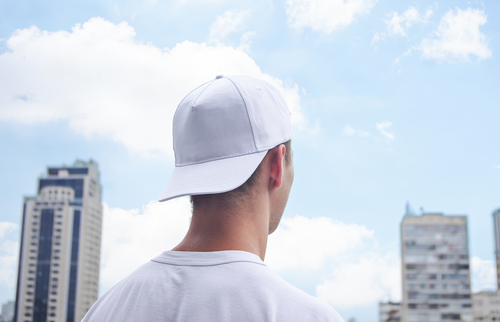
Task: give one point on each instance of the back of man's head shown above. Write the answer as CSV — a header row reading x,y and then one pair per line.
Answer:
x,y
222,131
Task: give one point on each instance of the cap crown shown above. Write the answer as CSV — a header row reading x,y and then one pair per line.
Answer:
x,y
229,117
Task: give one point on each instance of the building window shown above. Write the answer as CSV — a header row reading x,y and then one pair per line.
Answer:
x,y
450,316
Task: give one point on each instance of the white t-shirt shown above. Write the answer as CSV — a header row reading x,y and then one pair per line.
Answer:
x,y
207,286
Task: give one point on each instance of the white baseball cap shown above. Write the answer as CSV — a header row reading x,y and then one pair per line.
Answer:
x,y
222,131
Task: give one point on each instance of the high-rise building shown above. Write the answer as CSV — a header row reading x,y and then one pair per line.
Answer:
x,y
496,226
58,272
435,268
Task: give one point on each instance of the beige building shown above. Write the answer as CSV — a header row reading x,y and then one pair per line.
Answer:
x,y
58,271
389,311
435,268
486,306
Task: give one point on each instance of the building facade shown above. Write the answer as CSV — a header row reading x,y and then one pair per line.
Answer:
x,y
58,271
389,311
435,268
486,306
496,229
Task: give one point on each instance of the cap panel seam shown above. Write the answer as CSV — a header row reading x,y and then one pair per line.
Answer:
x,y
177,109
197,97
246,110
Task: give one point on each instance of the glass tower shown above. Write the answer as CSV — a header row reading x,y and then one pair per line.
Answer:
x,y
58,272
435,268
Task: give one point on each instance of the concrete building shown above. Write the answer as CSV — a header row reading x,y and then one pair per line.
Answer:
x,y
486,306
58,272
435,268
7,311
389,311
496,227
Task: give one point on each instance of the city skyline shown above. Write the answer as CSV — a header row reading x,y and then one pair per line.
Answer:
x,y
392,101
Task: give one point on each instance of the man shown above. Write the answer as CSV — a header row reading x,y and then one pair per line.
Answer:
x,y
233,157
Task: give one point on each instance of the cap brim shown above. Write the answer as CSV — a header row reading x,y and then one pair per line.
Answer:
x,y
211,177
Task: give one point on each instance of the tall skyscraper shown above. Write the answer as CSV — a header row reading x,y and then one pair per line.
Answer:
x,y
435,268
58,272
496,225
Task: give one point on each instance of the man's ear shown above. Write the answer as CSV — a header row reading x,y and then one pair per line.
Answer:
x,y
277,166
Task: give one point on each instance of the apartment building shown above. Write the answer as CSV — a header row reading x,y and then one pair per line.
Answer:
x,y
435,268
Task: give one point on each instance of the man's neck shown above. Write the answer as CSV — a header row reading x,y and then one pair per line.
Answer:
x,y
215,228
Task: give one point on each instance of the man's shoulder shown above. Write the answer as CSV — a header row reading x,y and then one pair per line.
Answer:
x,y
299,303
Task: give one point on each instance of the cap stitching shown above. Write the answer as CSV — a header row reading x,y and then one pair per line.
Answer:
x,y
246,110
197,97
222,157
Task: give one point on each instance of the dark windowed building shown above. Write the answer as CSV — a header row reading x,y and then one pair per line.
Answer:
x,y
58,272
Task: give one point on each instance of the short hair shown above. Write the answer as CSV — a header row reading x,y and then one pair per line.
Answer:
x,y
231,197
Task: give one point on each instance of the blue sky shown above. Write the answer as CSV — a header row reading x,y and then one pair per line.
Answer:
x,y
393,101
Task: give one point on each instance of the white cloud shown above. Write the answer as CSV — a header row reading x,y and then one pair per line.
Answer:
x,y
325,15
458,37
307,243
349,131
103,82
361,283
131,238
483,274
398,24
246,40
9,250
383,127
229,22
498,167
6,227
354,275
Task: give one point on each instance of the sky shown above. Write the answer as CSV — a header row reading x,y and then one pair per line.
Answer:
x,y
392,102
